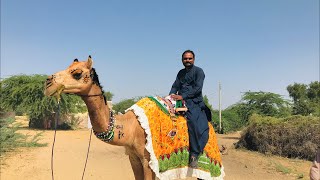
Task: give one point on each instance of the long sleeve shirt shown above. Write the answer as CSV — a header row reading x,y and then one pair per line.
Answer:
x,y
189,83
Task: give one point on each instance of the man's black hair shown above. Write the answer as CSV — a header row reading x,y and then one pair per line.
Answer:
x,y
188,51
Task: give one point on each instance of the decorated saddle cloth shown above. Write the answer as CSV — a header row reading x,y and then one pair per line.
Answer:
x,y
169,154
170,106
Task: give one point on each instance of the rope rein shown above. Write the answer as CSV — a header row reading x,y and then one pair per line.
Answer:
x,y
85,164
54,138
54,141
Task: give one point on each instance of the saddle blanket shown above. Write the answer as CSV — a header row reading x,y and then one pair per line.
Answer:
x,y
169,154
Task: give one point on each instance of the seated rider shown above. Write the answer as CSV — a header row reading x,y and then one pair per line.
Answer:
x,y
188,87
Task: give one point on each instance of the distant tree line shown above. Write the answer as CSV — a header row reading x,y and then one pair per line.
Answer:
x,y
305,101
23,94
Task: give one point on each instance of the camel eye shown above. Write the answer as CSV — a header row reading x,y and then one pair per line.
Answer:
x,y
77,74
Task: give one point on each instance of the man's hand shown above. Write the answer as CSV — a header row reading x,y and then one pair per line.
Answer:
x,y
176,97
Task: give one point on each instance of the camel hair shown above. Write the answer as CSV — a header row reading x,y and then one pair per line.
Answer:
x,y
81,79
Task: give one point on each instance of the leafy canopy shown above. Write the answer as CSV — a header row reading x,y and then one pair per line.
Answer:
x,y
306,98
24,94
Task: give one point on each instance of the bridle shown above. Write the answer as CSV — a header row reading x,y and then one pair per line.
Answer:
x,y
89,95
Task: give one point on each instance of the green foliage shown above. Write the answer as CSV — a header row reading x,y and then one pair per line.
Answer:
x,y
11,139
215,119
293,137
297,91
123,105
306,98
206,102
236,116
231,120
214,114
108,96
24,93
265,103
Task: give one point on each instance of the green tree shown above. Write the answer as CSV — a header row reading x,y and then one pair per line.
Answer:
x,y
313,94
264,103
231,118
306,98
297,91
108,96
24,93
123,105
206,102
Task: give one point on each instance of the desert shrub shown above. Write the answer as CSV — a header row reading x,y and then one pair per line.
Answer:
x,y
292,137
11,139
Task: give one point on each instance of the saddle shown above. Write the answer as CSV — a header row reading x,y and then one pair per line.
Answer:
x,y
172,106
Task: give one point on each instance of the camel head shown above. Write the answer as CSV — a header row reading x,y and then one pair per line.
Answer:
x,y
78,78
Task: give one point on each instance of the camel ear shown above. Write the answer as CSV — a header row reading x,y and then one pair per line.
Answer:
x,y
89,62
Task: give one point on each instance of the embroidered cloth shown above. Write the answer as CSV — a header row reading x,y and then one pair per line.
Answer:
x,y
169,155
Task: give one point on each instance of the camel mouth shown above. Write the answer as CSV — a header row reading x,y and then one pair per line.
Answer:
x,y
48,92
52,91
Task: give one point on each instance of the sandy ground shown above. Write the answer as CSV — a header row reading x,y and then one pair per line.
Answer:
x,y
110,162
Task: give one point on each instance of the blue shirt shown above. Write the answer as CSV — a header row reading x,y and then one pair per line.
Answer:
x,y
188,84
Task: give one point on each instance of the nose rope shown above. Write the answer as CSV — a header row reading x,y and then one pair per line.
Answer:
x,y
85,164
54,138
54,141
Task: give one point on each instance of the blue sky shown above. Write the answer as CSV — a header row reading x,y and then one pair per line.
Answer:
x,y
136,45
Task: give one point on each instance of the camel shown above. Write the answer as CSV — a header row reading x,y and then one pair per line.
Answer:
x,y
125,130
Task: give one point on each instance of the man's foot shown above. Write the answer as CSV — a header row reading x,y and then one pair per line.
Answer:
x,y
193,162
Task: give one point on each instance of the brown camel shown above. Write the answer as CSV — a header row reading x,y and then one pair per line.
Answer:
x,y
77,79
81,79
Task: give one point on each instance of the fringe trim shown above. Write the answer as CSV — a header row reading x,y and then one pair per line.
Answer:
x,y
179,173
139,112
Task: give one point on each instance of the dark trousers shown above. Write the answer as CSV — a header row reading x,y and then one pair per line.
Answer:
x,y
198,128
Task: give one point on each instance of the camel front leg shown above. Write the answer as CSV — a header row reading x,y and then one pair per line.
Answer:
x,y
136,167
148,173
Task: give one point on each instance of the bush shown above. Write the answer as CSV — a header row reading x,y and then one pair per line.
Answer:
x,y
11,139
292,137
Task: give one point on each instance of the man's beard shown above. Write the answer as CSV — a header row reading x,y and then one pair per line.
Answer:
x,y
188,65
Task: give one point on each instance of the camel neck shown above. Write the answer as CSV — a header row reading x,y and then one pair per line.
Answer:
x,y
99,112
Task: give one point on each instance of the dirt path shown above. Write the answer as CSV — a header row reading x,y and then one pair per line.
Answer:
x,y
109,162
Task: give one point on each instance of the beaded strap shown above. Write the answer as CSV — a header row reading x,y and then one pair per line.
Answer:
x,y
107,135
